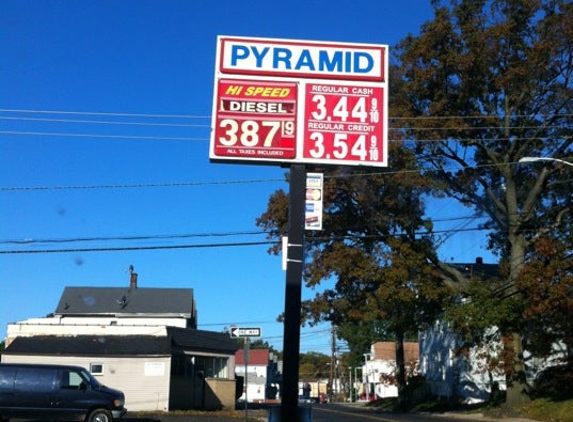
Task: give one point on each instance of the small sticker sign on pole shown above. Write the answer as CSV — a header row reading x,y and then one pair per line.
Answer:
x,y
313,206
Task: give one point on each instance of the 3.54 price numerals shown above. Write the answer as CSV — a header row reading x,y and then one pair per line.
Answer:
x,y
343,146
253,133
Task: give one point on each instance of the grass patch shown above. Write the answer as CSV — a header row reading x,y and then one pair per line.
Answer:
x,y
547,410
541,409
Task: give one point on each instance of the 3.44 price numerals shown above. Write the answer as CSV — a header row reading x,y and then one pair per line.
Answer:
x,y
341,112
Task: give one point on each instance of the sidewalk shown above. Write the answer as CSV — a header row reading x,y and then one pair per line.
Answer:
x,y
479,417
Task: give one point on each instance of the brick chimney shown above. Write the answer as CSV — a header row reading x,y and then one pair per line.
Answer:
x,y
132,278
479,260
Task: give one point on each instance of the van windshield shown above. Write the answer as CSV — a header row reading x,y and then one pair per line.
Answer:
x,y
90,378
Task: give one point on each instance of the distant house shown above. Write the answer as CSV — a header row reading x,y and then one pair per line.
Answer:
x,y
113,310
261,383
450,373
379,371
142,341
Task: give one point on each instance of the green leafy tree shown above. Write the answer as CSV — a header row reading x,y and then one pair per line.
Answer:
x,y
358,336
313,366
486,83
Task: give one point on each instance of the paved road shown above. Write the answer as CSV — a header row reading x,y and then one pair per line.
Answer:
x,y
336,413
319,413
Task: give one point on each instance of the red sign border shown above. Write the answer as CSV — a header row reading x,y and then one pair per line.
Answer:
x,y
220,72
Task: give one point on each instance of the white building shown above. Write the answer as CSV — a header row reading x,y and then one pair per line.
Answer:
x,y
261,382
142,341
379,370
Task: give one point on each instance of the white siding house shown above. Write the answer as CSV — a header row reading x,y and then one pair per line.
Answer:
x,y
260,374
454,374
143,341
379,369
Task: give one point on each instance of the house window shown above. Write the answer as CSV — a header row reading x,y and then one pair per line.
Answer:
x,y
209,367
96,368
212,367
220,368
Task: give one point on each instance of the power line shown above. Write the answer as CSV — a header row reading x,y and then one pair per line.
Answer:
x,y
185,125
207,117
143,185
100,122
103,136
150,237
188,184
137,248
174,236
228,182
187,116
228,324
196,246
169,138
100,113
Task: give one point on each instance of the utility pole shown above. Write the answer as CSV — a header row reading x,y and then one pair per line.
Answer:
x,y
246,359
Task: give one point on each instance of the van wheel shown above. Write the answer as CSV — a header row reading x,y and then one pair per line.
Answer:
x,y
100,415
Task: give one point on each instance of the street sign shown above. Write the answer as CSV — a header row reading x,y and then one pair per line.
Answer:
x,y
297,101
237,332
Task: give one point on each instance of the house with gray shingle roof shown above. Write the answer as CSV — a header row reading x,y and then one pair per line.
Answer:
x,y
129,303
143,341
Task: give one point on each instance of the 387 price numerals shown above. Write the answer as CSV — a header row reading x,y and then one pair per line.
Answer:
x,y
253,133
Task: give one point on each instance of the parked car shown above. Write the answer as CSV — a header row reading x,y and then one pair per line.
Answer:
x,y
307,400
56,392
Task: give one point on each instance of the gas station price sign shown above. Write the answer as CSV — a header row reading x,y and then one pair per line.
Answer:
x,y
255,119
297,101
343,122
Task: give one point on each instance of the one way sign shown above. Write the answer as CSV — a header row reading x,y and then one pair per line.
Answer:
x,y
237,332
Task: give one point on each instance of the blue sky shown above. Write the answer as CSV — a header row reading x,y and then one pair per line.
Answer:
x,y
105,111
